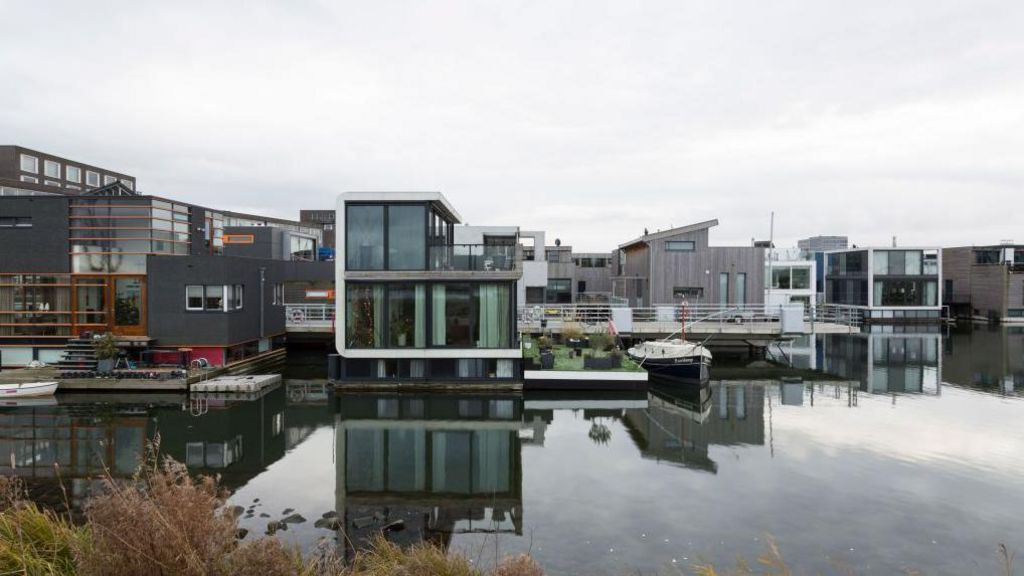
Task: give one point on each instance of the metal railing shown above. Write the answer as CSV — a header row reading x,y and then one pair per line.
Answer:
x,y
309,315
696,313
473,258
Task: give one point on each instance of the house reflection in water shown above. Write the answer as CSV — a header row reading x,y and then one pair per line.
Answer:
x,y
989,358
87,439
427,467
885,362
682,422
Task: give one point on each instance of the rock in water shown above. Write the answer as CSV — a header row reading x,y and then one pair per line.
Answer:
x,y
395,526
272,527
293,519
287,511
331,514
328,523
241,533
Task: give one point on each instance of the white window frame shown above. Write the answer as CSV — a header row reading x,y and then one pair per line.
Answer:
x,y
35,163
92,178
30,179
77,171
47,164
73,187
239,296
52,183
128,184
202,294
108,179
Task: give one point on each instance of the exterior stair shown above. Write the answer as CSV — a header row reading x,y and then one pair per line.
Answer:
x,y
80,354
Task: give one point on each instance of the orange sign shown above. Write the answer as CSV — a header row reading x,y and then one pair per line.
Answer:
x,y
239,238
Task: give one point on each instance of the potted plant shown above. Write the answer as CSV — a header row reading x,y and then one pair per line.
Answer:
x,y
573,336
600,342
106,352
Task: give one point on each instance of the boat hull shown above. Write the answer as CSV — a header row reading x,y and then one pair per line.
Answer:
x,y
687,368
28,390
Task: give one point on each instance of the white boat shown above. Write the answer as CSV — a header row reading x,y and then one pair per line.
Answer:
x,y
27,390
676,358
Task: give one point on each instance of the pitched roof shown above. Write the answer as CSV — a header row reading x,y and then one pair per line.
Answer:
x,y
113,189
671,232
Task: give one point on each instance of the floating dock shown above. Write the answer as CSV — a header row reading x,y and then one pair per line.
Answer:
x,y
245,384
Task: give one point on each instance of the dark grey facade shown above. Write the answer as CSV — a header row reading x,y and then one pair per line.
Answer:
x,y
51,174
34,234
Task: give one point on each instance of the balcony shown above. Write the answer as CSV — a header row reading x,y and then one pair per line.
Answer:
x,y
472,258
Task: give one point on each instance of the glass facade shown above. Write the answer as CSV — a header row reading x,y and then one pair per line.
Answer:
x,y
559,291
790,278
113,235
418,315
407,237
364,237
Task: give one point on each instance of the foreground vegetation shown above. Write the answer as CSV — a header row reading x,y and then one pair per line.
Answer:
x,y
165,522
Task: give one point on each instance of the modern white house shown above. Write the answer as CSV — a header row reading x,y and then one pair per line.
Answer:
x,y
789,279
532,284
414,304
889,285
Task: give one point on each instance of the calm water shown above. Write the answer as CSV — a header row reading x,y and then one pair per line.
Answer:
x,y
895,452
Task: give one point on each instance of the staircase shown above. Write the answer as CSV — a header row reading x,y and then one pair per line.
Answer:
x,y
80,354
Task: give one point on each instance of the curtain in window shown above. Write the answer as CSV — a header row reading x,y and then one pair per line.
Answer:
x,y
494,302
378,315
420,328
440,336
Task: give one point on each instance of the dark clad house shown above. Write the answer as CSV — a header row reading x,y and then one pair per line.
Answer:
x,y
158,274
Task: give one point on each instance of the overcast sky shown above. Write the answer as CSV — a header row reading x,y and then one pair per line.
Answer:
x,y
589,120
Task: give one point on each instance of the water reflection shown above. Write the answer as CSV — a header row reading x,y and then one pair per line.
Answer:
x,y
884,363
425,468
80,437
988,358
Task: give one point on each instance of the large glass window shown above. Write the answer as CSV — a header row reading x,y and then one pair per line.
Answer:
x,y
559,291
302,248
73,174
92,178
880,264
800,278
364,316
741,287
128,302
364,237
912,263
723,287
407,237
455,315
781,277
407,316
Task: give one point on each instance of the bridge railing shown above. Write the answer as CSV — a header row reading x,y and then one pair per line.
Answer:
x,y
309,315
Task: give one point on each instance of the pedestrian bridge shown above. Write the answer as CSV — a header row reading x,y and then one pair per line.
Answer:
x,y
742,321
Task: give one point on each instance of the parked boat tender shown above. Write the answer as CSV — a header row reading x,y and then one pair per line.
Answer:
x,y
676,358
27,390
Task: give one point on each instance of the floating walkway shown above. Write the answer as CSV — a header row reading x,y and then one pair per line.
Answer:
x,y
243,384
